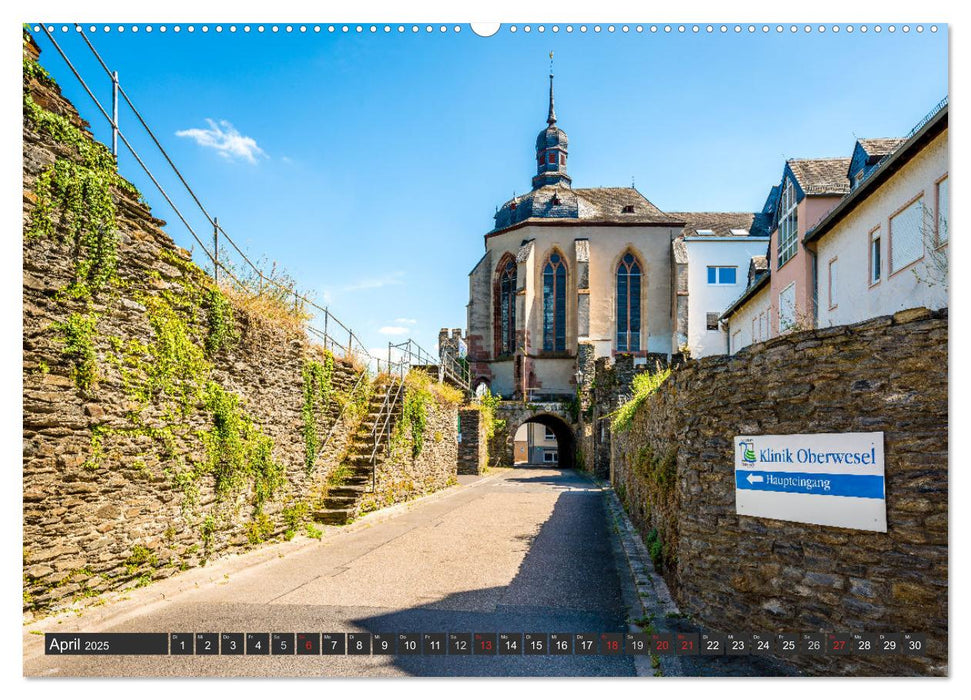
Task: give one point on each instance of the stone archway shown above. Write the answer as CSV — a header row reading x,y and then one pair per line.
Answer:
x,y
556,417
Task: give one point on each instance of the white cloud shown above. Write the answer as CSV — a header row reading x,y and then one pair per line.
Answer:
x,y
393,330
376,282
226,140
406,321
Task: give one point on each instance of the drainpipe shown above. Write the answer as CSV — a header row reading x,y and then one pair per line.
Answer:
x,y
814,265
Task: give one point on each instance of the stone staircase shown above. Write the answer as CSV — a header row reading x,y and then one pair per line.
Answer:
x,y
351,479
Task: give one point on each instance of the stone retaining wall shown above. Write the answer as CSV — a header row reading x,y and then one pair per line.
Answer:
x,y
674,470
164,424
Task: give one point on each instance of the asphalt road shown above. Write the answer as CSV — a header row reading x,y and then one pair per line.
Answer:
x,y
527,551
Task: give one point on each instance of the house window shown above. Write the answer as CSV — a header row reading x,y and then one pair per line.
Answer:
x,y
722,275
628,304
943,205
788,223
551,457
711,321
787,308
506,306
833,283
549,434
554,304
907,235
876,259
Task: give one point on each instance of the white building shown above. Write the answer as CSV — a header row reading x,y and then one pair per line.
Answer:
x,y
718,250
884,247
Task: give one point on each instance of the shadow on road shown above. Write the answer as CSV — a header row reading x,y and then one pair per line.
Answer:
x,y
566,583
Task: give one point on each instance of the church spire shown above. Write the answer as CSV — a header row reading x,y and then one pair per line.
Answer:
x,y
551,145
551,119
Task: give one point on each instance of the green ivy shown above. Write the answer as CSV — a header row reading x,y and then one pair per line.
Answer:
x,y
177,368
222,327
415,414
318,389
92,154
237,450
35,71
77,336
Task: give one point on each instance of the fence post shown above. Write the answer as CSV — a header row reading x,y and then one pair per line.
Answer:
x,y
326,319
215,249
389,357
114,114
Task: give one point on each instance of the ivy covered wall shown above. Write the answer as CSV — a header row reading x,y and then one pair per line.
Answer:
x,y
165,422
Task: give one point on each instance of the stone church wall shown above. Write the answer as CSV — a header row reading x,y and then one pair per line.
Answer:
x,y
674,471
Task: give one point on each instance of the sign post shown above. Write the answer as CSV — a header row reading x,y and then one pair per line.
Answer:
x,y
834,479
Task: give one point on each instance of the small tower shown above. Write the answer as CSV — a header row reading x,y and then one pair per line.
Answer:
x,y
551,147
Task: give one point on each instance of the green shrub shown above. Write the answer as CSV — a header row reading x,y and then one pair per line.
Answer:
x,y
643,385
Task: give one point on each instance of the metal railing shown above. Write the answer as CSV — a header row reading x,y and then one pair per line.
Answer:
x,y
910,134
334,335
411,354
381,432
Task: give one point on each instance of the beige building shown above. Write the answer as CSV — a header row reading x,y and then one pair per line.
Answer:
x,y
570,275
536,444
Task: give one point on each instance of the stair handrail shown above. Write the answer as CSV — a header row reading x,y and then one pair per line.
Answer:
x,y
382,423
362,377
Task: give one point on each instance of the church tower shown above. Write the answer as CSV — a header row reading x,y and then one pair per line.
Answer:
x,y
551,146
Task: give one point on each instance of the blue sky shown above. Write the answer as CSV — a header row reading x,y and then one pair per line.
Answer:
x,y
369,165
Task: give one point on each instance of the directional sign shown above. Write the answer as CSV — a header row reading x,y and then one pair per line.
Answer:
x,y
824,478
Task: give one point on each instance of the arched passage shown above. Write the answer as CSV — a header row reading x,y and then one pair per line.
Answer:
x,y
538,446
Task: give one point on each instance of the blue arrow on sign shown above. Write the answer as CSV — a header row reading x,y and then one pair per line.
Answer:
x,y
855,485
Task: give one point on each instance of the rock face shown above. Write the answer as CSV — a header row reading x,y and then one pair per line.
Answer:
x,y
165,422
674,470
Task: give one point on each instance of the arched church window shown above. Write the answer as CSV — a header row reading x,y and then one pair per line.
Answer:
x,y
554,304
628,304
506,309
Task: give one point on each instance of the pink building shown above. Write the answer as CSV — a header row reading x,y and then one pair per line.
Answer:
x,y
779,297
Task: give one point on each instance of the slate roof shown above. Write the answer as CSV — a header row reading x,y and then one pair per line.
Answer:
x,y
821,175
590,205
758,265
721,223
880,147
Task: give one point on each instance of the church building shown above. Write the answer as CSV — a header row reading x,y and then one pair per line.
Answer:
x,y
572,274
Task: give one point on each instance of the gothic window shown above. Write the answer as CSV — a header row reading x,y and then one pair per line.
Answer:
x,y
506,309
628,304
554,304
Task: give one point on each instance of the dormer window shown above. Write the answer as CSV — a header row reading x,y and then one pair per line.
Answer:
x,y
628,209
788,223
513,206
556,200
